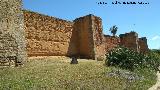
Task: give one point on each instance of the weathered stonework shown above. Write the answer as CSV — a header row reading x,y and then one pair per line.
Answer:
x,y
98,38
29,33
84,28
111,42
48,36
143,47
131,41
12,35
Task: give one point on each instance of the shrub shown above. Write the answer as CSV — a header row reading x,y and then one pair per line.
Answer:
x,y
129,59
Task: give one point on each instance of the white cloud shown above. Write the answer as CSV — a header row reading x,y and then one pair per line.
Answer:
x,y
156,38
154,42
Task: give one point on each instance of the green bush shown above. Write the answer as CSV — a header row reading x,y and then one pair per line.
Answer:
x,y
157,51
129,59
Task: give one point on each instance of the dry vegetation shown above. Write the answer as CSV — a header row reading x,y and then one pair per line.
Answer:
x,y
56,73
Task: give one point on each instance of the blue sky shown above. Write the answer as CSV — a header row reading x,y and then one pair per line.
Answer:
x,y
144,19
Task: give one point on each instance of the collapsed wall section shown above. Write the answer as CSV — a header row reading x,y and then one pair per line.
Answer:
x,y
49,36
12,35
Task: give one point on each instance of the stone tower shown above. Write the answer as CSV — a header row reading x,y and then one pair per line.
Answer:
x,y
12,34
130,40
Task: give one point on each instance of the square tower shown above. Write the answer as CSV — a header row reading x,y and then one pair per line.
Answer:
x,y
12,34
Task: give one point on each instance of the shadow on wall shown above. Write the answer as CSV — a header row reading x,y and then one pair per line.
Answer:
x,y
73,50
81,42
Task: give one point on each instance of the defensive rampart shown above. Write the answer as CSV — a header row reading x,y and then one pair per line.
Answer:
x,y
24,32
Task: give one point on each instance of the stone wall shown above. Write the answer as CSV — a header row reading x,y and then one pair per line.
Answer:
x,y
130,40
98,38
12,35
29,33
143,47
111,42
49,36
8,45
83,27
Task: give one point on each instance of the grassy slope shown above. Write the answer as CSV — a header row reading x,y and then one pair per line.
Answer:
x,y
57,74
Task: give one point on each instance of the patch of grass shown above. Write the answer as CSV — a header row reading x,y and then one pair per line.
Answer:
x,y
59,74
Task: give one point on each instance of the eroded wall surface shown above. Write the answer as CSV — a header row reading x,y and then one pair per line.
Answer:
x,y
12,35
83,26
130,40
143,47
111,42
48,36
99,45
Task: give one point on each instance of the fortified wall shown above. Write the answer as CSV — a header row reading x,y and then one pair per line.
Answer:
x,y
50,36
12,34
29,33
111,42
83,37
131,41
143,47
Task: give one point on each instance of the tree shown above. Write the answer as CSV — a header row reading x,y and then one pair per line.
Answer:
x,y
113,30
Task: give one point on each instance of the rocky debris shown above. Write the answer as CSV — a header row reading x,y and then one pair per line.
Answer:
x,y
130,76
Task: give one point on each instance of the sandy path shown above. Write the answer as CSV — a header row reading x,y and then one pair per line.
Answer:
x,y
157,85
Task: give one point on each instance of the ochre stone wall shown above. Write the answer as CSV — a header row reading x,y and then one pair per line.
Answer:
x,y
29,33
12,34
98,37
111,42
130,40
143,47
48,36
83,27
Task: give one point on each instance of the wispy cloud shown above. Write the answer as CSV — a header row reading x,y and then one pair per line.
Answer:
x,y
157,37
154,42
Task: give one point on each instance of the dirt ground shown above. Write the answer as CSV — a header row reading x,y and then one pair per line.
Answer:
x,y
157,85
